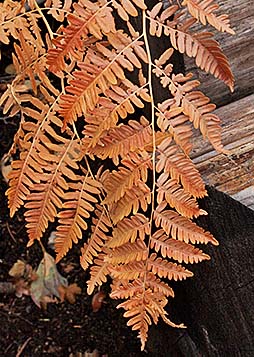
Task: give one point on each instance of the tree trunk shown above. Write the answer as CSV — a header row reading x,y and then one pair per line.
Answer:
x,y
217,304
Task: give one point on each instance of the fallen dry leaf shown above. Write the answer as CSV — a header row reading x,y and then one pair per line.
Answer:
x,y
98,300
48,281
45,300
69,292
22,287
21,269
18,269
45,285
23,275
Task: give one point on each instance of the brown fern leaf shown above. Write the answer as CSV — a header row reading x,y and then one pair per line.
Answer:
x,y
180,167
142,309
58,8
123,140
125,290
104,61
181,228
203,11
10,21
35,29
198,108
98,238
170,118
129,230
130,271
139,317
14,97
87,19
100,69
106,114
165,269
128,252
177,250
192,105
99,120
170,191
46,196
98,273
78,204
139,196
156,285
28,169
126,8
135,169
206,51
158,139
29,61
211,128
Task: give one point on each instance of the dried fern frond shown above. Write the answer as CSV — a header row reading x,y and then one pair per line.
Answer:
x,y
188,104
180,167
30,61
87,19
135,169
165,269
58,8
128,252
170,191
139,196
99,272
181,228
106,114
46,196
14,97
98,238
129,230
123,140
101,69
10,20
142,309
175,249
203,10
78,204
206,51
88,95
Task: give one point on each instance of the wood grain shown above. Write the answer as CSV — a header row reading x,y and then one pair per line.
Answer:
x,y
239,49
233,174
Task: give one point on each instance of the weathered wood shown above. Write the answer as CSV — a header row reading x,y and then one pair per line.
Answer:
x,y
239,49
233,174
217,304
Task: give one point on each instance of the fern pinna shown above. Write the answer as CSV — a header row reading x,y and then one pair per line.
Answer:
x,y
82,91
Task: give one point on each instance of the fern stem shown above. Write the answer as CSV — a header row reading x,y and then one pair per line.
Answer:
x,y
100,195
42,246
146,41
51,34
32,12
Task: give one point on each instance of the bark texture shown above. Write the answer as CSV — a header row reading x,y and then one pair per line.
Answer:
x,y
217,304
